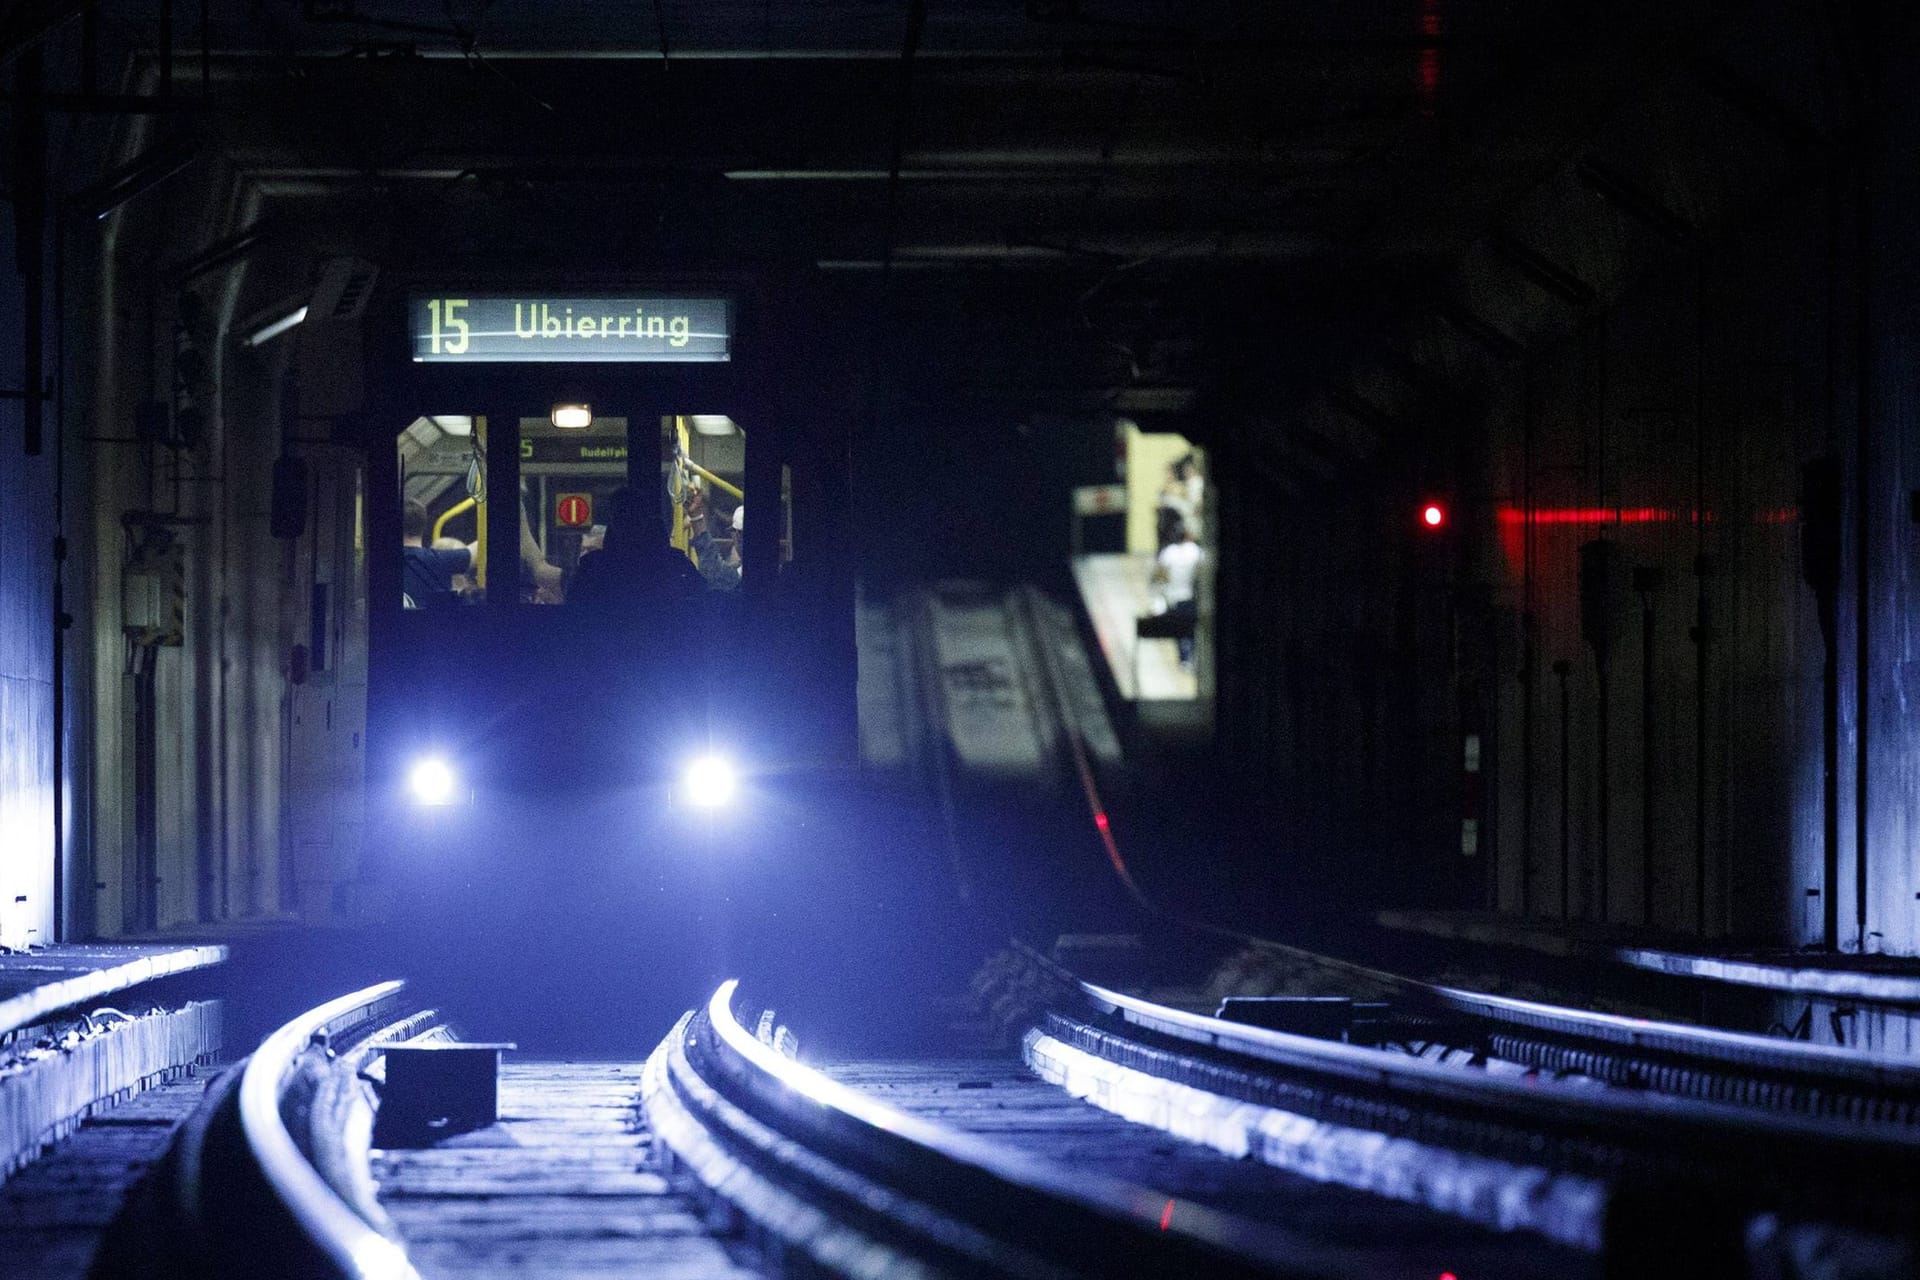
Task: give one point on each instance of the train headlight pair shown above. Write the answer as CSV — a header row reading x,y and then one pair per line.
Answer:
x,y
709,781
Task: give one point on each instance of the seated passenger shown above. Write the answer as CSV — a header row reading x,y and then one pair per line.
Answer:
x,y
427,573
637,568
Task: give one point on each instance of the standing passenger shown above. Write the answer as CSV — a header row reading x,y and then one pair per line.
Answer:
x,y
1175,504
427,573
638,569
1177,569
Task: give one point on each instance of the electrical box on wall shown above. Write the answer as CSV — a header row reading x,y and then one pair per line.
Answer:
x,y
153,591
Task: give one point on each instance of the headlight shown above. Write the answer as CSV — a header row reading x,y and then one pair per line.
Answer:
x,y
708,782
432,782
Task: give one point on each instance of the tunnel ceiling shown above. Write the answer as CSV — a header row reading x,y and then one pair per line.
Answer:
x,y
1074,203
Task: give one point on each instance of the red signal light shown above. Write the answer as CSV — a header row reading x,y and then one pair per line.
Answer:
x,y
1433,515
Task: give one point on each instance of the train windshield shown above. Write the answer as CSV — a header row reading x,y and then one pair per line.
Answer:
x,y
571,465
582,478
703,476
443,494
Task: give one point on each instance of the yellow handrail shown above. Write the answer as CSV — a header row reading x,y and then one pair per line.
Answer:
x,y
714,480
464,504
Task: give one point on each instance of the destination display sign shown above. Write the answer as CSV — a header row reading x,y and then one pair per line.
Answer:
x,y
562,449
569,328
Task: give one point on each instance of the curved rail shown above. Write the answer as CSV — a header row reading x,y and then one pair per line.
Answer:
x,y
1826,1079
925,1199
1514,1096
353,1248
1291,1099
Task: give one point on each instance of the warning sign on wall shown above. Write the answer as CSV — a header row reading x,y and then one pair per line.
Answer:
x,y
573,510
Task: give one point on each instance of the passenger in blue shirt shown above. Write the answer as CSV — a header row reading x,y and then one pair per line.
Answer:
x,y
427,573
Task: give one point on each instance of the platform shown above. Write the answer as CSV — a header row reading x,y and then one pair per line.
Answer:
x,y
1118,592
45,980
1875,979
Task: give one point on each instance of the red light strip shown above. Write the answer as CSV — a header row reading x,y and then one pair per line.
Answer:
x,y
1591,515
1632,515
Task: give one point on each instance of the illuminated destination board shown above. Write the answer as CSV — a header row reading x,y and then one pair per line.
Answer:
x,y
515,328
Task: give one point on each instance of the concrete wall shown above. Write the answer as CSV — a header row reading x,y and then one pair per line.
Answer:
x,y
257,775
27,852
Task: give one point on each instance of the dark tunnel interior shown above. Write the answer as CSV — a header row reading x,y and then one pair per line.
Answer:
x,y
1347,473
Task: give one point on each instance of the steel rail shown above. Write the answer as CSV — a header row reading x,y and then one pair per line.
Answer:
x,y
136,965
353,1248
1861,1175
1031,1205
1563,1104
1818,1072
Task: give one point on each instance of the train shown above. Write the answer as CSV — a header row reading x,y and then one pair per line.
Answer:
x,y
550,771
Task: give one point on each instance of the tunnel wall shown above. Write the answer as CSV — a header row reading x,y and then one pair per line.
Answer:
x,y
256,787
1335,710
1673,427
27,797
1670,418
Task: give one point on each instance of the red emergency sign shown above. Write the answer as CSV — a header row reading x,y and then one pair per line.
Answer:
x,y
573,510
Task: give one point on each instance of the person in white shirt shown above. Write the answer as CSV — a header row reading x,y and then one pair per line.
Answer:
x,y
1177,567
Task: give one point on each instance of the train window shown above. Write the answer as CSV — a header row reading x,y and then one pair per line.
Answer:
x,y
567,473
443,495
703,469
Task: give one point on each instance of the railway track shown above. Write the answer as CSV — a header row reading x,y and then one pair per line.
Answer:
x,y
972,1166
920,1167
1634,1053
277,1172
1124,1138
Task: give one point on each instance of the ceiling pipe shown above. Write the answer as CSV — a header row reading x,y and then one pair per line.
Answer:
x,y
1627,196
28,23
1248,245
1494,339
1543,271
141,174
220,253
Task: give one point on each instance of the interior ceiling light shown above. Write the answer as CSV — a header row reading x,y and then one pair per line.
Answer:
x,y
454,424
273,329
713,424
572,416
